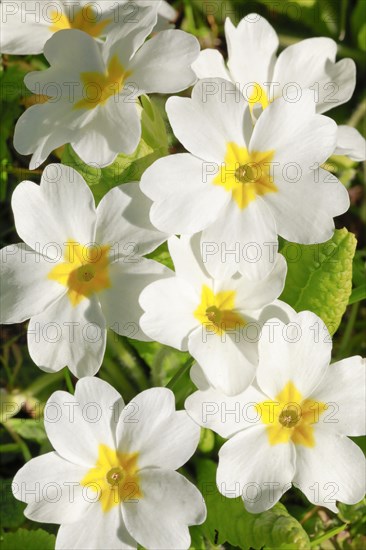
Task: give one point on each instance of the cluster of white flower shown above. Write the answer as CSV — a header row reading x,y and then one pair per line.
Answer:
x,y
256,142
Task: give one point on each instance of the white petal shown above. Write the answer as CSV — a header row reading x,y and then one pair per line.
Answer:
x,y
163,63
70,336
255,294
279,310
228,360
120,303
244,239
185,200
167,11
296,134
343,388
75,50
252,468
350,143
161,518
332,470
24,30
50,485
252,49
26,290
135,23
77,424
210,64
298,352
169,306
151,426
311,64
207,122
304,209
60,209
109,404
123,220
115,128
188,264
198,377
43,128
223,414
96,530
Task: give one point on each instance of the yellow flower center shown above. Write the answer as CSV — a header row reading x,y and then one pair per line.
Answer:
x,y
290,417
85,271
246,175
114,477
217,311
258,95
99,87
86,19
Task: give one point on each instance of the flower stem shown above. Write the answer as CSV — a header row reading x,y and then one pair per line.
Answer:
x,y
19,441
69,384
181,372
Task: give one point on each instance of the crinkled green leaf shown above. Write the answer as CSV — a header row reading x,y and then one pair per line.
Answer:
x,y
228,521
319,277
28,540
125,168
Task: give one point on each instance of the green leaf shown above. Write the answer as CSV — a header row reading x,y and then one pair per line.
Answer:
x,y
153,126
125,168
319,277
355,513
197,540
358,24
11,90
29,429
207,441
161,255
28,540
358,294
11,509
228,521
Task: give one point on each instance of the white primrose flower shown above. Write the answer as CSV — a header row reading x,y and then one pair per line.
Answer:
x,y
290,427
111,481
217,320
80,270
261,77
91,90
242,185
27,25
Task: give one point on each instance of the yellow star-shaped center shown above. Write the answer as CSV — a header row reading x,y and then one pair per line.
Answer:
x,y
217,311
114,477
290,417
246,174
85,270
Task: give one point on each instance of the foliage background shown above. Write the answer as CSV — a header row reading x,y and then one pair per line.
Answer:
x,y
131,366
